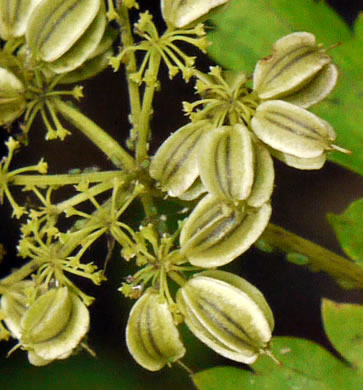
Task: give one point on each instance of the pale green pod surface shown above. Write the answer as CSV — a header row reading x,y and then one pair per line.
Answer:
x,y
36,360
14,305
12,99
226,162
295,60
194,191
215,234
299,162
175,164
55,25
264,176
151,335
14,15
84,47
47,316
181,13
291,129
228,314
317,89
62,344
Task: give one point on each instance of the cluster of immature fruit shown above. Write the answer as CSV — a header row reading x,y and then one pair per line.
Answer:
x,y
223,156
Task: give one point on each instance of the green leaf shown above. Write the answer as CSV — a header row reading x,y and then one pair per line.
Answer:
x,y
243,36
305,366
349,230
346,336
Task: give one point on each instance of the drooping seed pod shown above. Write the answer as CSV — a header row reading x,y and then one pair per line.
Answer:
x,y
215,233
228,314
297,65
14,15
264,176
151,335
291,129
181,13
64,33
226,162
14,304
53,326
12,97
175,164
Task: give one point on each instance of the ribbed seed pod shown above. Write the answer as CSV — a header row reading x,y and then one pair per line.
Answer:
x,y
180,13
215,234
175,164
12,97
14,15
194,191
295,61
299,162
226,162
264,176
291,129
151,335
83,47
53,326
56,25
14,305
228,314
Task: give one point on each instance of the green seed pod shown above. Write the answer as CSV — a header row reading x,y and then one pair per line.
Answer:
x,y
181,13
215,234
194,191
54,325
14,305
12,97
291,129
226,162
151,335
264,176
228,314
295,62
175,164
14,15
299,162
56,25
83,47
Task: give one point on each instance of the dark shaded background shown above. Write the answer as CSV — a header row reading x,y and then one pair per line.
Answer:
x,y
301,201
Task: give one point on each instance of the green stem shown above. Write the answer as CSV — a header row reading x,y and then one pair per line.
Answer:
x,y
22,272
98,136
144,125
67,179
319,257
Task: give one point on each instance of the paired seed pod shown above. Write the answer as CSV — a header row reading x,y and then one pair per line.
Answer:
x,y
181,13
215,233
151,335
228,314
12,97
299,71
53,326
65,33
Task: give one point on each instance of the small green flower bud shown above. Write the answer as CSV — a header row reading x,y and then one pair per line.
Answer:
x,y
53,326
175,164
181,13
298,70
151,335
215,234
64,33
12,99
14,15
292,130
228,314
226,162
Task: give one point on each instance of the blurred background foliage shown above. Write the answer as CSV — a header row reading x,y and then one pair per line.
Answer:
x,y
301,201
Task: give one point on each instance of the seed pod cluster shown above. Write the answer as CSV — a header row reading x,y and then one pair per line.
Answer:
x,y
50,328
228,314
65,33
151,335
